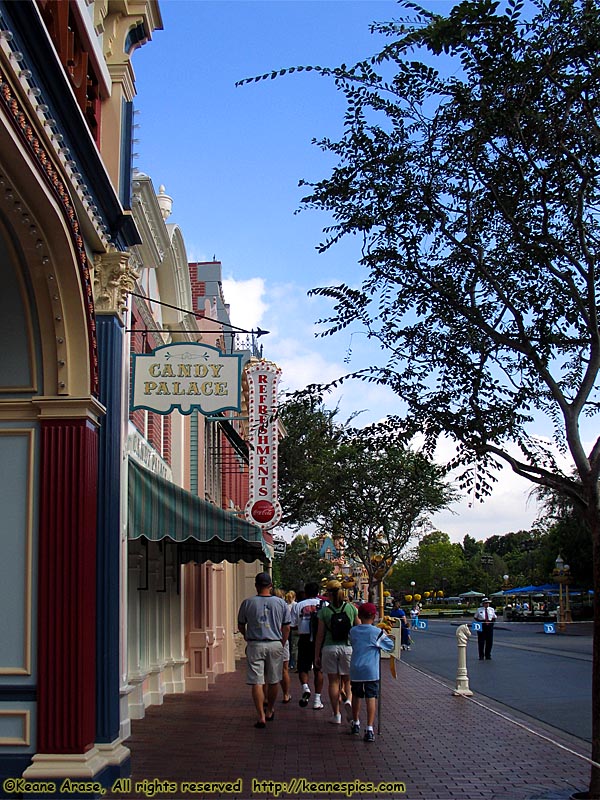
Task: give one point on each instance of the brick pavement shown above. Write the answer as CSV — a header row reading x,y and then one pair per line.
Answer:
x,y
440,746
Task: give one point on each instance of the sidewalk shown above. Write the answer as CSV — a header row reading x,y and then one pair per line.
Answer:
x,y
438,745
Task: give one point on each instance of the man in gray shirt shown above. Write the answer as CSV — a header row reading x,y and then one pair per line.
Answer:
x,y
264,622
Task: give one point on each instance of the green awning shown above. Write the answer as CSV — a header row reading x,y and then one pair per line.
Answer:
x,y
158,509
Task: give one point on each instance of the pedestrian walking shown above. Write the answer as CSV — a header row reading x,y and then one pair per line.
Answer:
x,y
333,650
365,667
290,599
285,674
485,637
305,617
264,622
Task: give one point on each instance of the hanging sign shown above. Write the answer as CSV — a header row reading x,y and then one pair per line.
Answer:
x,y
279,547
188,377
263,507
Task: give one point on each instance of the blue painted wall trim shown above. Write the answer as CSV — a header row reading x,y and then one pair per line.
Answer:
x,y
110,357
12,766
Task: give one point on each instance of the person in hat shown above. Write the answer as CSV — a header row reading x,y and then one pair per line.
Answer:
x,y
485,637
367,641
332,653
264,622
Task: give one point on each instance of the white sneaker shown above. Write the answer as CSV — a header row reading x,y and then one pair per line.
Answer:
x,y
348,709
317,705
336,719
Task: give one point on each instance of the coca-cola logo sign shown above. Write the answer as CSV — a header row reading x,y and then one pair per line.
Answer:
x,y
262,511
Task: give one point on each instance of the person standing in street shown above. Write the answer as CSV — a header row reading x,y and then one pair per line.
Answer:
x,y
414,616
264,622
485,637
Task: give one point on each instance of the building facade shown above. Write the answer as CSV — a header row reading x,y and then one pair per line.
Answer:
x,y
108,604
67,89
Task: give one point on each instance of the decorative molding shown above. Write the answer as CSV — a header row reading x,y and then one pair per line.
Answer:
x,y
66,765
47,169
69,408
15,206
113,278
25,667
23,740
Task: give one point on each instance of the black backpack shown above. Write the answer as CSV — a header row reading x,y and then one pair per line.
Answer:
x,y
339,624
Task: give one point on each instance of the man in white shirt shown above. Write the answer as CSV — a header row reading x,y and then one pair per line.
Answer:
x,y
302,614
485,637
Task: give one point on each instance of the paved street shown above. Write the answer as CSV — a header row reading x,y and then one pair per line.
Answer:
x,y
548,677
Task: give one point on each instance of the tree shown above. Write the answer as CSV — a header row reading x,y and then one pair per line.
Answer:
x,y
565,532
476,197
435,564
306,454
302,563
373,493
381,497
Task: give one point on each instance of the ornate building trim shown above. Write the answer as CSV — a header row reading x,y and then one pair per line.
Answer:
x,y
46,168
114,278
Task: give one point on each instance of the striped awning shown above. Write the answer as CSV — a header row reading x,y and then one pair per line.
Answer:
x,y
158,509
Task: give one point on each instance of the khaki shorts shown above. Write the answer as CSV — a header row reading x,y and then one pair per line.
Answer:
x,y
335,659
264,662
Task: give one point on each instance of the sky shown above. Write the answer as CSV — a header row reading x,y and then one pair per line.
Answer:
x,y
232,158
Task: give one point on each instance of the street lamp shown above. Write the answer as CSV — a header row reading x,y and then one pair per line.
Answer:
x,y
504,588
487,562
562,575
412,590
348,582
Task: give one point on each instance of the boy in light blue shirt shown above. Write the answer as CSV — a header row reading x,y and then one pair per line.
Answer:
x,y
367,641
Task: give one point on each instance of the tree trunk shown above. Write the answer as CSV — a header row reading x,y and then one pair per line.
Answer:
x,y
594,788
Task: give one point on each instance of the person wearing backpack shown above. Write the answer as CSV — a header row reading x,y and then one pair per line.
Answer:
x,y
333,650
305,617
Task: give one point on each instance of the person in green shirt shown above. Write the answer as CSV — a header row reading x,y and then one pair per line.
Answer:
x,y
333,651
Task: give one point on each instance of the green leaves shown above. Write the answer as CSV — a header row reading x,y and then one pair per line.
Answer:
x,y
475,189
280,72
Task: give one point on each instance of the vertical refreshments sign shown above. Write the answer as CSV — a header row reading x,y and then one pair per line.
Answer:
x,y
263,507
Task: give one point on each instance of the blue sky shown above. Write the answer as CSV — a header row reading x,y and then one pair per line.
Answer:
x,y
231,159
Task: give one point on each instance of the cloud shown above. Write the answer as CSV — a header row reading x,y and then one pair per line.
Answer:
x,y
284,309
289,315
509,508
248,307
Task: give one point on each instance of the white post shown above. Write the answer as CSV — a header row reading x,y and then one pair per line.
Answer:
x,y
462,679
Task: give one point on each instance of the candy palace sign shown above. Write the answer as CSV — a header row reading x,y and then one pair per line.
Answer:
x,y
188,377
263,507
